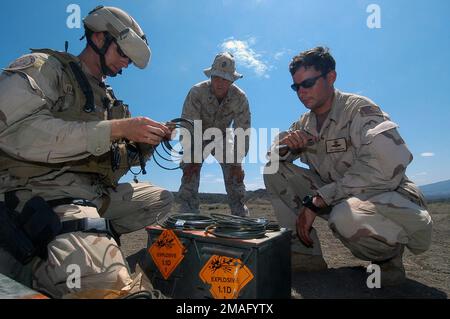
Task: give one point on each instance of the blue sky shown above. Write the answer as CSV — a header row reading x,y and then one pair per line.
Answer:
x,y
403,66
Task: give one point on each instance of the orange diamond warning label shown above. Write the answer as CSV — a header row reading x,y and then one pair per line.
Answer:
x,y
226,275
167,252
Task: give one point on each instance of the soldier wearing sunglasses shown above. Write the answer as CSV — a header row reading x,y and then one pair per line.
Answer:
x,y
356,177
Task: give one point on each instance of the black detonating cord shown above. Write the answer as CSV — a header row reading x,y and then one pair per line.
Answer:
x,y
167,148
186,222
221,225
231,226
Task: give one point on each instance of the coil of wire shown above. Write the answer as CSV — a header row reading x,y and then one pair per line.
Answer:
x,y
167,152
187,222
231,226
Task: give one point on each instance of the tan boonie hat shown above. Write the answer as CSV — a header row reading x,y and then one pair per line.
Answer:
x,y
224,67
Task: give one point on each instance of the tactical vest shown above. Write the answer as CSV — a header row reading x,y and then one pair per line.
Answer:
x,y
85,105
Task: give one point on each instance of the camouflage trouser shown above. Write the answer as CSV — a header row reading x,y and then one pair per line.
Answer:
x,y
373,227
233,175
96,257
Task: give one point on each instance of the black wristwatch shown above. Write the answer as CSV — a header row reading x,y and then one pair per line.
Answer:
x,y
308,203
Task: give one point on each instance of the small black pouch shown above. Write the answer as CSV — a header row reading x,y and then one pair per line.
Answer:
x,y
40,223
12,238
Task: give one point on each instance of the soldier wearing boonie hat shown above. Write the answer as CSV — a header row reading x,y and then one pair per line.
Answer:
x,y
217,103
224,67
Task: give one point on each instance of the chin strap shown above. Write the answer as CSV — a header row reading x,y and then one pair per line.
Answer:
x,y
101,52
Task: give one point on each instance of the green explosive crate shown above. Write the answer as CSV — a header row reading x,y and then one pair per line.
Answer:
x,y
191,264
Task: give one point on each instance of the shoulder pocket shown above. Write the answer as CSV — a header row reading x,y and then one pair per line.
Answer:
x,y
380,128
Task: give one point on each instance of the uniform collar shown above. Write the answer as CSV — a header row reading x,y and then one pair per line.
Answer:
x,y
88,73
310,123
335,106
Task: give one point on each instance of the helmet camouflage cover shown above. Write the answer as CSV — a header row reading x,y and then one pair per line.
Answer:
x,y
124,29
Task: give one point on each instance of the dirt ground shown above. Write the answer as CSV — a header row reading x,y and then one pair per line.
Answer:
x,y
428,274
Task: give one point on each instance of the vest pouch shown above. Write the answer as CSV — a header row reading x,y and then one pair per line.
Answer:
x,y
118,110
40,223
117,165
13,239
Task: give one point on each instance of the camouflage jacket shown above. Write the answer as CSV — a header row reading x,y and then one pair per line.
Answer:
x,y
201,104
359,151
34,91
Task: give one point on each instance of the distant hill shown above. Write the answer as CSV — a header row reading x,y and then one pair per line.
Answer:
x,y
439,190
435,191
214,198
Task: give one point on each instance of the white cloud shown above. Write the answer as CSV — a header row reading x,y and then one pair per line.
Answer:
x,y
421,174
246,56
427,154
279,54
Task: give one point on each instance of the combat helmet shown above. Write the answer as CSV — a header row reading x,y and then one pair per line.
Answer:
x,y
120,27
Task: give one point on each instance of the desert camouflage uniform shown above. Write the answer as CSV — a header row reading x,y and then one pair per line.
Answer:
x,y
358,168
201,104
32,93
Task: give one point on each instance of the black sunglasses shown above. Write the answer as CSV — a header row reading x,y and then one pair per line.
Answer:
x,y
308,83
121,53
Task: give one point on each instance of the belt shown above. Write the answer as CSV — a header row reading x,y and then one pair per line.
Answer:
x,y
12,201
81,202
91,225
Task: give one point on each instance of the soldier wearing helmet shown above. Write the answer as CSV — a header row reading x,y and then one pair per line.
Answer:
x,y
116,28
67,139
